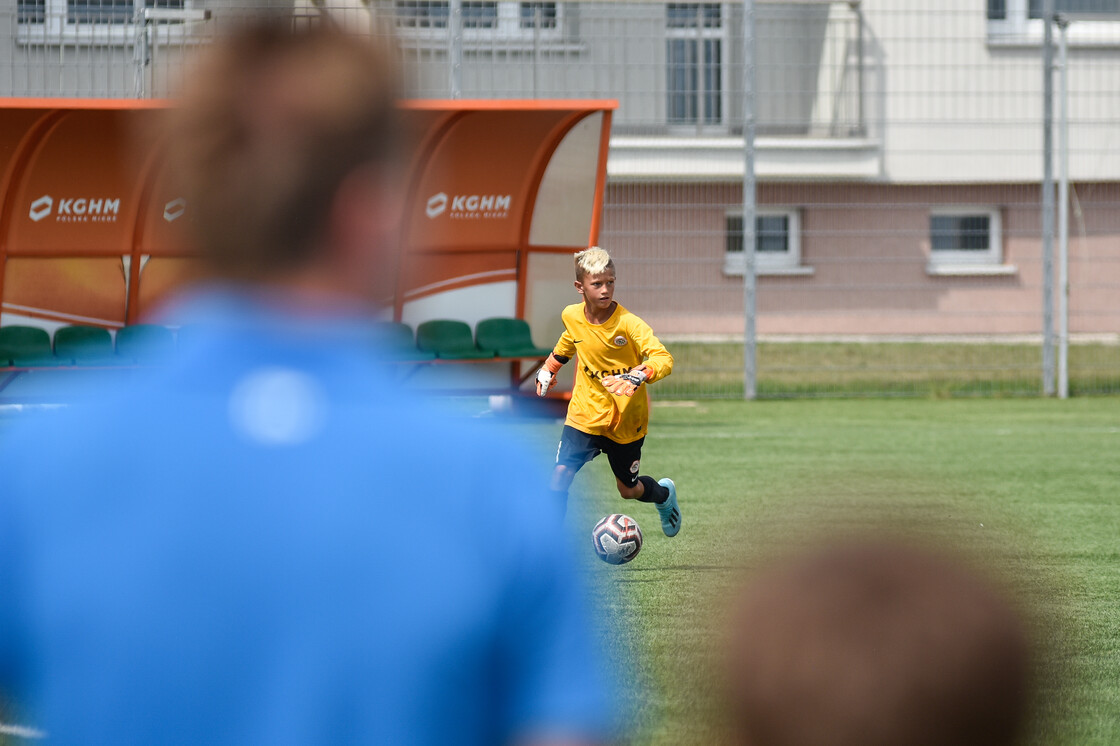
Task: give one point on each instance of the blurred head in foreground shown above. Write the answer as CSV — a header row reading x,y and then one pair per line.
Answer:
x,y
285,145
246,545
876,644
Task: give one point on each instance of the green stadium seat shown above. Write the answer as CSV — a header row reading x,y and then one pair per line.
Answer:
x,y
84,345
145,344
508,337
396,340
449,340
26,347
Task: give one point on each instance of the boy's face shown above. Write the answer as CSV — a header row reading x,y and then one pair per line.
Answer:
x,y
597,290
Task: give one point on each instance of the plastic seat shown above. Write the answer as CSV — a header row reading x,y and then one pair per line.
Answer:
x,y
145,344
449,340
84,345
26,347
508,337
396,341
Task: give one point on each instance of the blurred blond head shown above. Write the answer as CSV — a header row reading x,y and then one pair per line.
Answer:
x,y
285,144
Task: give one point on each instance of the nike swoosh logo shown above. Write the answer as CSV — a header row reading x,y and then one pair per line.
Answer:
x,y
576,341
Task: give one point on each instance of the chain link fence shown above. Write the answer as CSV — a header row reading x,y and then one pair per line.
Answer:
x,y
897,150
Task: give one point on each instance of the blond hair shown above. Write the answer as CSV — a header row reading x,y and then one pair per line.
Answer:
x,y
593,261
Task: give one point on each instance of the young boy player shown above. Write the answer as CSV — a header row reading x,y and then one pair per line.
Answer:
x,y
616,352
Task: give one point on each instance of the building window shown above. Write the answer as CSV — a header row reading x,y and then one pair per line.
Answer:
x,y
696,44
1019,22
777,243
971,234
1076,7
31,11
480,15
538,15
422,14
93,21
482,21
965,240
108,11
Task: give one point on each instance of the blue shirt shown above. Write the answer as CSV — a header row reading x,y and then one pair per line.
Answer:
x,y
268,543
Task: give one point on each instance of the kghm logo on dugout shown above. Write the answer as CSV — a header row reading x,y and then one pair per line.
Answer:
x,y
93,209
469,206
76,209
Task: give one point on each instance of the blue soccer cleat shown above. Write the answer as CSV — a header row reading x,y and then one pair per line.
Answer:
x,y
669,511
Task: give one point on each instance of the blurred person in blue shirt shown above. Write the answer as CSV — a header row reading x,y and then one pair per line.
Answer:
x,y
265,542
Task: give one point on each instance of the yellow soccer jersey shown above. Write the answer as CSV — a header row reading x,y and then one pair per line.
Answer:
x,y
620,343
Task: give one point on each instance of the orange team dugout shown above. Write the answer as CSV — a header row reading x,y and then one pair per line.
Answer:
x,y
498,196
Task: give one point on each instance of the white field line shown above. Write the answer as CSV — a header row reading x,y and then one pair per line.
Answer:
x,y
963,339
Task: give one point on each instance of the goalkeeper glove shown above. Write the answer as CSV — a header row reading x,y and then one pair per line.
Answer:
x,y
546,376
627,383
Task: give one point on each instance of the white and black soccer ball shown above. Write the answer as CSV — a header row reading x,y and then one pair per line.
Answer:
x,y
617,539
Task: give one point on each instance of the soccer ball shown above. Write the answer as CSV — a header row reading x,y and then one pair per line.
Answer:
x,y
617,539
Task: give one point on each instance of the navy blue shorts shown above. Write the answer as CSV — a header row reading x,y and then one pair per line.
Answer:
x,y
577,448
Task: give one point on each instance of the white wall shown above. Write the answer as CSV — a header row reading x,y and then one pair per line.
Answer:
x,y
960,107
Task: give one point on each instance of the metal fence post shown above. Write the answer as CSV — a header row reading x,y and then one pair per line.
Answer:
x,y
1063,209
141,53
455,47
1048,386
750,369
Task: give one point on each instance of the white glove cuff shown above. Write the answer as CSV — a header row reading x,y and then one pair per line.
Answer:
x,y
544,381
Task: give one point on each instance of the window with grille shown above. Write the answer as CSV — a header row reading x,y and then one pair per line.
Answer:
x,y
1094,22
777,243
480,15
696,44
422,13
89,21
538,15
484,20
964,238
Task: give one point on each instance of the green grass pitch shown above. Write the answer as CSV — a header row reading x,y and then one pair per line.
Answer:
x,y
1026,488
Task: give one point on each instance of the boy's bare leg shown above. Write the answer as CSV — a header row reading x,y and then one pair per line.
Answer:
x,y
662,494
630,493
561,481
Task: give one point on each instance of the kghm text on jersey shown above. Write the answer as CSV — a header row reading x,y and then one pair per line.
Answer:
x,y
599,374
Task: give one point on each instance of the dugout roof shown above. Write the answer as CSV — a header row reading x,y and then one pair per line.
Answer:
x,y
91,230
